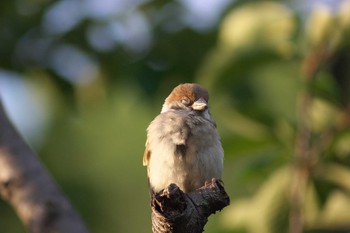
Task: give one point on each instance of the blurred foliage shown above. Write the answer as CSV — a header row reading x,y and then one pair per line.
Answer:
x,y
278,75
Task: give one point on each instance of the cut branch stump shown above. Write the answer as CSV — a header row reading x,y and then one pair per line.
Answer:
x,y
174,211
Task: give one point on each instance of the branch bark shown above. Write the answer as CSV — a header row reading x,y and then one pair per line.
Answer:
x,y
174,211
29,189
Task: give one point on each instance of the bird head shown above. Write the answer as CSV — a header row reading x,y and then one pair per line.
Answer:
x,y
187,96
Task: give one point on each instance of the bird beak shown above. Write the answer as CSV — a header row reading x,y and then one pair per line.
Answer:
x,y
200,105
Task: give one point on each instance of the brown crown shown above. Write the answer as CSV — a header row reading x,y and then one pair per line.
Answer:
x,y
191,91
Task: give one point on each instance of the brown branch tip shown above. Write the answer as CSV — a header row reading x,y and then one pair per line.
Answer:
x,y
174,211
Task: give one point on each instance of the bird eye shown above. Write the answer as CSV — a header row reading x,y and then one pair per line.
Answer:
x,y
185,101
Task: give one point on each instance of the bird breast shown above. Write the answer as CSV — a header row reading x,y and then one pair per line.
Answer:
x,y
185,150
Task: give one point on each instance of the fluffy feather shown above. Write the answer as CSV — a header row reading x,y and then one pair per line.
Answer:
x,y
183,145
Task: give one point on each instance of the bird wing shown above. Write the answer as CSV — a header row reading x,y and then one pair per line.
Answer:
x,y
168,125
146,155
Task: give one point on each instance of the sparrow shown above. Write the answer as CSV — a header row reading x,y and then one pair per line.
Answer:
x,y
183,145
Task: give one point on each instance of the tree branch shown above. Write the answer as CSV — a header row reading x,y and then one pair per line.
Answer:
x,y
27,186
174,211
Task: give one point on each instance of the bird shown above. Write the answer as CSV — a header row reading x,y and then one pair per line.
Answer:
x,y
183,146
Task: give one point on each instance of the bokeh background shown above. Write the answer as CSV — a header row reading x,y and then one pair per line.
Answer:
x,y
82,79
